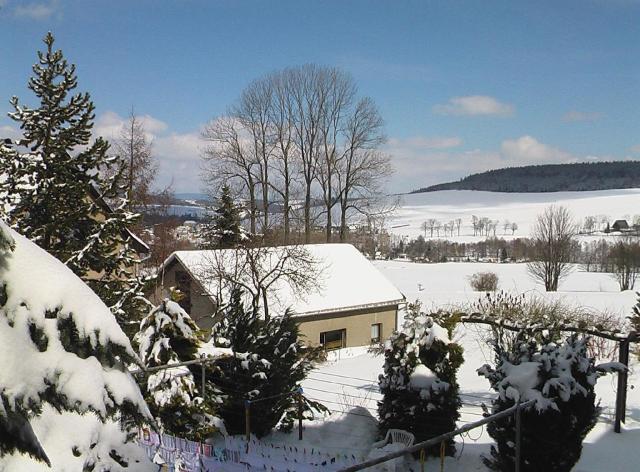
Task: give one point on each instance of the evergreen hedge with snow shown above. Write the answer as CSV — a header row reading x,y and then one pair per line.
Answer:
x,y
169,336
560,376
57,180
66,398
419,381
268,363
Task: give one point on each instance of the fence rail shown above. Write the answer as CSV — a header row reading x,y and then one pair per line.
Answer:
x,y
514,410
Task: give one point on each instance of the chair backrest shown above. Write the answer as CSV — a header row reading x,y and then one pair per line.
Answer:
x,y
401,436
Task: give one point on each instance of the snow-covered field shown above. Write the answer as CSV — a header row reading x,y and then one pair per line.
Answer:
x,y
521,208
347,383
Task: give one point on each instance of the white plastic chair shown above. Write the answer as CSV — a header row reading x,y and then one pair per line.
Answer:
x,y
401,439
396,436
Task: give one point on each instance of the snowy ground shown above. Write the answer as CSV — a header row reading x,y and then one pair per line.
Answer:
x,y
521,208
347,383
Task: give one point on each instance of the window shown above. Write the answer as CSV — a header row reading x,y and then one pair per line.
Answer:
x,y
334,339
183,284
376,332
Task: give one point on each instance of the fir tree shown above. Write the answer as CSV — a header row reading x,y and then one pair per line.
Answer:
x,y
561,378
225,231
268,364
58,182
635,317
64,364
169,336
419,381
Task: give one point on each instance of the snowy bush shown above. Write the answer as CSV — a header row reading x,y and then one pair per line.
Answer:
x,y
268,363
169,336
66,398
560,378
507,313
484,281
419,381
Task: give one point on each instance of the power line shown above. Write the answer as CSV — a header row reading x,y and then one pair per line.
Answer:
x,y
374,381
341,394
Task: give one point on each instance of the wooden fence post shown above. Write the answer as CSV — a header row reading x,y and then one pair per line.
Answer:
x,y
518,436
247,421
300,410
621,394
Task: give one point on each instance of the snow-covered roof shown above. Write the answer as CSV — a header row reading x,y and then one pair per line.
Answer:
x,y
347,280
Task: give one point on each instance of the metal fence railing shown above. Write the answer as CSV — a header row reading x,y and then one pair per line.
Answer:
x,y
514,410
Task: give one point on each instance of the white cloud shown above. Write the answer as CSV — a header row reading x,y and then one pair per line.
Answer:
x,y
528,150
574,115
418,166
109,124
635,149
437,142
36,10
178,154
474,105
7,131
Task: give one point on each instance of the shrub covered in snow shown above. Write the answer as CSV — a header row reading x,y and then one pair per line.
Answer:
x,y
65,395
268,363
419,381
560,377
169,336
484,281
635,317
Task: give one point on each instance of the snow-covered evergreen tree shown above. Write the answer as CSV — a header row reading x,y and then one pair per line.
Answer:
x,y
224,230
419,381
635,317
55,187
66,397
268,364
561,378
169,336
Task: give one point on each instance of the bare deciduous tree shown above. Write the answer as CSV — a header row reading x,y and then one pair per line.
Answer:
x,y
228,159
552,237
625,259
305,127
136,159
254,111
264,273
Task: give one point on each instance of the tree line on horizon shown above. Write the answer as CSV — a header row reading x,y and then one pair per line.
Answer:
x,y
582,176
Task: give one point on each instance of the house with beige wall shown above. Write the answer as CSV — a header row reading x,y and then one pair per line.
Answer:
x,y
352,303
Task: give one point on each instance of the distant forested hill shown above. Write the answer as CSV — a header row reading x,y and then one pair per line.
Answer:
x,y
550,178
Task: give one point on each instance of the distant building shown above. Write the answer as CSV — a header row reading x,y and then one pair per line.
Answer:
x,y
354,306
620,225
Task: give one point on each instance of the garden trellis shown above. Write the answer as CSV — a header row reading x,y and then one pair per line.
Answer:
x,y
623,339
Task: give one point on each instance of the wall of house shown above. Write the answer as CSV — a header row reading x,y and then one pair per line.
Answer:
x,y
201,305
356,323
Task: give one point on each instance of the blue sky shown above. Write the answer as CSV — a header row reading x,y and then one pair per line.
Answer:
x,y
463,86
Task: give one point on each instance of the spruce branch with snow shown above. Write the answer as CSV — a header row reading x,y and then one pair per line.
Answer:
x,y
57,186
560,376
169,336
419,381
63,364
268,364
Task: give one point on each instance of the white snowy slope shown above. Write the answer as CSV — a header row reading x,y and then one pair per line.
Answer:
x,y
521,208
41,291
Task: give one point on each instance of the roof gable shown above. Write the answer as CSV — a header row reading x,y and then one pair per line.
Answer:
x,y
348,281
